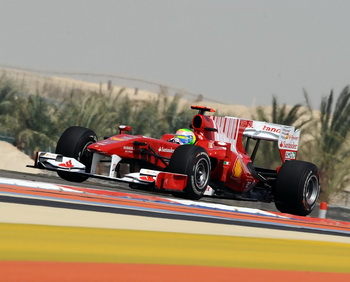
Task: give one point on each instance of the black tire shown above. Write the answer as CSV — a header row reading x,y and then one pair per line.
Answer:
x,y
297,187
73,143
193,161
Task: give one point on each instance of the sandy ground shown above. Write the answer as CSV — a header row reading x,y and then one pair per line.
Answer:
x,y
14,160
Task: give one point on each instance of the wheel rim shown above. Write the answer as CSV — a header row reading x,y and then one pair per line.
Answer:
x,y
312,190
201,174
85,156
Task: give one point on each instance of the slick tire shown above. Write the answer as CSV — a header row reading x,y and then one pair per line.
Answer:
x,y
297,187
73,143
193,161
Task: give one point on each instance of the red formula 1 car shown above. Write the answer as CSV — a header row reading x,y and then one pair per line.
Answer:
x,y
216,165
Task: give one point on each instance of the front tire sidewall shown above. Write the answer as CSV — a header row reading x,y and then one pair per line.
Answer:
x,y
193,161
199,177
73,143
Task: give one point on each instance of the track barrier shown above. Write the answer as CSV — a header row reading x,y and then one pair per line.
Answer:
x,y
323,210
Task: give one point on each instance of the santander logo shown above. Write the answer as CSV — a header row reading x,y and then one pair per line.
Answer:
x,y
166,150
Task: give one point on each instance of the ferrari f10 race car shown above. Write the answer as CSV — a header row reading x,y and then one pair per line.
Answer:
x,y
215,163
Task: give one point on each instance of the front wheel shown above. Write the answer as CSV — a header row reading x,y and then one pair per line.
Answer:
x,y
73,143
297,187
193,161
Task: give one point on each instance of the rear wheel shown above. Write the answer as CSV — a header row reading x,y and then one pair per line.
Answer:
x,y
73,143
193,161
297,187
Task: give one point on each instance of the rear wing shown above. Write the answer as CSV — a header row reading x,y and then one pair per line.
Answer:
x,y
232,130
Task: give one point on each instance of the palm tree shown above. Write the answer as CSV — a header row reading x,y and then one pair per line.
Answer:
x,y
162,115
297,115
9,92
93,110
283,114
26,118
33,124
331,146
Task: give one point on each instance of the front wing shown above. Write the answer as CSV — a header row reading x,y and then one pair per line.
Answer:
x,y
160,179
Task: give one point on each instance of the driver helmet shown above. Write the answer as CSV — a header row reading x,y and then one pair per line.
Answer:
x,y
185,136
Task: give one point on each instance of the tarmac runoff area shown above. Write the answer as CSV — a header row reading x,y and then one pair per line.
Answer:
x,y
52,232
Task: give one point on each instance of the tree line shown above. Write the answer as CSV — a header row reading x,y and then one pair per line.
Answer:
x,y
36,123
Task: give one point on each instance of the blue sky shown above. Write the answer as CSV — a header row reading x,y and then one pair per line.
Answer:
x,y
234,51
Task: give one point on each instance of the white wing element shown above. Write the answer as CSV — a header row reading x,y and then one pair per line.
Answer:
x,y
229,128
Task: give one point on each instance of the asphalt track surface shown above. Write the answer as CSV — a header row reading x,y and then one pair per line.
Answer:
x,y
101,231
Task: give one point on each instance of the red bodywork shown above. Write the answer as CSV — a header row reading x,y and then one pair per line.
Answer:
x,y
229,161
218,164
